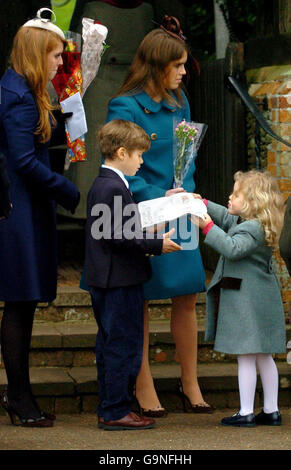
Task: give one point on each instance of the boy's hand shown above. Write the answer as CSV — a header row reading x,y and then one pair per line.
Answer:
x,y
168,245
156,228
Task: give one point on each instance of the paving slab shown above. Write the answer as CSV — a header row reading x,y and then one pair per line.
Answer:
x,y
177,432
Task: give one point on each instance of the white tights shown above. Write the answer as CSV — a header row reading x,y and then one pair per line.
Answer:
x,y
247,380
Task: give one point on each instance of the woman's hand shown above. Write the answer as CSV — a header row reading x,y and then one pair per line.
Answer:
x,y
168,245
170,192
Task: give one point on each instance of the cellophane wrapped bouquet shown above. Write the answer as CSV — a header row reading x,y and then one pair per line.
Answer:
x,y
80,66
187,139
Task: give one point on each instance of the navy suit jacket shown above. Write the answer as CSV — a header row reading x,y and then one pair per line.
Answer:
x,y
116,247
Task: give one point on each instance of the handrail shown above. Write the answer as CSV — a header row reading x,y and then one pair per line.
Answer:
x,y
254,109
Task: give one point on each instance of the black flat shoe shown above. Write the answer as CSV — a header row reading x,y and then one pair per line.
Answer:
x,y
247,421
269,419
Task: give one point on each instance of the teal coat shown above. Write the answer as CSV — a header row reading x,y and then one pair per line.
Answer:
x,y
182,272
251,319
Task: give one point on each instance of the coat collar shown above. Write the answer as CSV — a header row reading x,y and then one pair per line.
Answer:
x,y
12,81
118,172
107,173
147,103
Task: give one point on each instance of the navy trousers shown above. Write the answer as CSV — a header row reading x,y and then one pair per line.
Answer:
x,y
119,344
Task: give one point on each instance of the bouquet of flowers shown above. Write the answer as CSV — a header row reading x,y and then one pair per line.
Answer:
x,y
187,139
76,74
68,82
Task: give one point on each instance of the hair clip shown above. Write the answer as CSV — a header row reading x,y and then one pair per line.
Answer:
x,y
171,25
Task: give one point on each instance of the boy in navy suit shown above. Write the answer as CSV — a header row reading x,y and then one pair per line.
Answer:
x,y
116,265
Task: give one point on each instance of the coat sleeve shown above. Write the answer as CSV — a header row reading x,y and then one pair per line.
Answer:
x,y
5,203
120,108
20,121
248,236
220,216
119,226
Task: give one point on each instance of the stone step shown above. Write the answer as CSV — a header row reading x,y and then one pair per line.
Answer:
x,y
74,389
72,344
73,303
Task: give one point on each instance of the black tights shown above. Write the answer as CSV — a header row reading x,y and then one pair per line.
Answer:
x,y
16,329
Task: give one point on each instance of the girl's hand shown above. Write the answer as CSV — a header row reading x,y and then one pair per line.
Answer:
x,y
205,221
168,245
197,196
201,222
170,192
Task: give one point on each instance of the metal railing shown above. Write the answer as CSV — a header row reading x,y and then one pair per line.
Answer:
x,y
260,120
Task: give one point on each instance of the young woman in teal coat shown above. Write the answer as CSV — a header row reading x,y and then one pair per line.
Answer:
x,y
245,313
151,96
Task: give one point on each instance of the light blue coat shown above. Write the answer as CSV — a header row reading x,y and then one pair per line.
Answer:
x,y
251,319
181,272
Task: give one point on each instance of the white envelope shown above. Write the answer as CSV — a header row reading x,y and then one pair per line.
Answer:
x,y
164,209
76,124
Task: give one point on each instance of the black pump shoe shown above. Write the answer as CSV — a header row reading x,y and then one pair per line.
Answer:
x,y
269,419
247,421
42,422
193,407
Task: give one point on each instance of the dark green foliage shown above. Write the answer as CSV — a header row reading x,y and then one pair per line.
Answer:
x,y
241,18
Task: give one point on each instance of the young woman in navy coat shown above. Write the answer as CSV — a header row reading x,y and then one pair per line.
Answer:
x,y
28,257
151,96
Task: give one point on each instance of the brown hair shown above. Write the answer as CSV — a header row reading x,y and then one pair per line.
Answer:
x,y
29,59
262,201
154,54
119,133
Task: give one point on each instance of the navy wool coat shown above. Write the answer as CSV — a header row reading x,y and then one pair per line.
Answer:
x,y
28,252
5,203
251,318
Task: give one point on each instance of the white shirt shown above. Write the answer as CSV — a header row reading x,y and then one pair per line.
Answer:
x,y
118,172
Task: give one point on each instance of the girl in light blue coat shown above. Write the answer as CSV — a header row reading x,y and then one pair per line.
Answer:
x,y
244,308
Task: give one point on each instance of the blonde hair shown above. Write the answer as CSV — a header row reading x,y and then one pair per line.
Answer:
x,y
154,54
29,59
263,201
119,133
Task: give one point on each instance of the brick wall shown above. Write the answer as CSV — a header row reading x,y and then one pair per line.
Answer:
x,y
274,99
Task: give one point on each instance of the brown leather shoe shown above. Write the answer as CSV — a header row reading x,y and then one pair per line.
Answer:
x,y
100,422
131,421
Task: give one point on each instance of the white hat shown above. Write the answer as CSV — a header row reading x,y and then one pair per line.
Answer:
x,y
44,23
